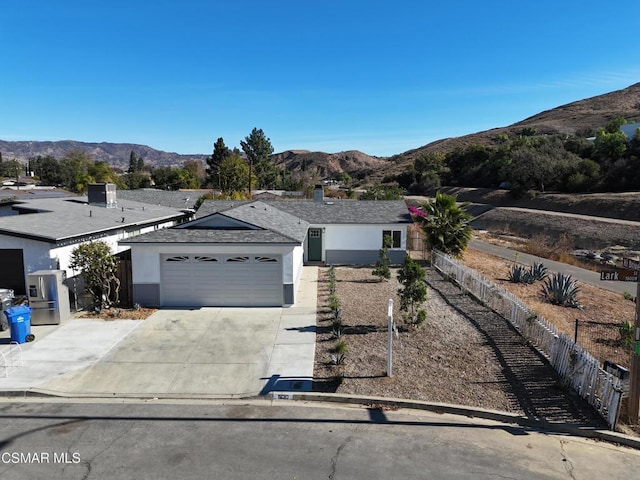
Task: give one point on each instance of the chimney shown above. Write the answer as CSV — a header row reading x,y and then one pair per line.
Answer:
x,y
318,194
102,194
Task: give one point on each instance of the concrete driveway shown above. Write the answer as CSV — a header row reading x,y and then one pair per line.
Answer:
x,y
208,352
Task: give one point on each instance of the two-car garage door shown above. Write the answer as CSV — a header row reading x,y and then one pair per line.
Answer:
x,y
193,280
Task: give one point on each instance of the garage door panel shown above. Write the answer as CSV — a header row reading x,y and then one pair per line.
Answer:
x,y
232,280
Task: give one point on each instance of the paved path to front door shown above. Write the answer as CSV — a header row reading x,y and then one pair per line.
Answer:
x,y
208,352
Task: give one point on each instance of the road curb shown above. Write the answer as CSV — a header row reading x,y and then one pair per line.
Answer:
x,y
472,412
359,400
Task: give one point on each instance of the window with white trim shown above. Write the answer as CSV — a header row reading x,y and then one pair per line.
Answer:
x,y
393,238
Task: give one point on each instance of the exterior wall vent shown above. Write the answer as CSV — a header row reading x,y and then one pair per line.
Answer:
x,y
102,194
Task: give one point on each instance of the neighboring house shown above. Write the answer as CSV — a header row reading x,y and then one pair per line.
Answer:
x,y
251,253
46,230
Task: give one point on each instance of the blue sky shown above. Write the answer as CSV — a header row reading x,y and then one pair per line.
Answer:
x,y
330,75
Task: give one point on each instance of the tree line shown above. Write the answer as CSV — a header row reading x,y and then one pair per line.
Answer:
x,y
233,171
530,162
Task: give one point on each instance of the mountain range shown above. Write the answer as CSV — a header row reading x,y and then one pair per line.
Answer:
x,y
583,117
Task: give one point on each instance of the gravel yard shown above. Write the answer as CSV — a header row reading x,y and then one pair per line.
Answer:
x,y
452,358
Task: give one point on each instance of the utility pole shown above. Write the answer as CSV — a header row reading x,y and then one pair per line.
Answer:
x,y
634,388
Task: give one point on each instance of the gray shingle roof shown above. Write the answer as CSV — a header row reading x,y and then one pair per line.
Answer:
x,y
61,219
348,211
209,207
327,212
184,235
173,199
266,216
273,226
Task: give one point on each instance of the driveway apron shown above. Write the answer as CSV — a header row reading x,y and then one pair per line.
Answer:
x,y
208,352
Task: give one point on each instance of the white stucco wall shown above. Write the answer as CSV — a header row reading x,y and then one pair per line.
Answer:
x,y
298,262
358,237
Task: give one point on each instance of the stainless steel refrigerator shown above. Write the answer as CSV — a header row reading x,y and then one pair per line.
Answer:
x,y
48,297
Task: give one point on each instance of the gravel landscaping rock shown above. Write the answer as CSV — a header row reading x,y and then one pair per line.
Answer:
x,y
463,354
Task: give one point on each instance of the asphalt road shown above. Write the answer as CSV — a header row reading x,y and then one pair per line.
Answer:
x,y
258,440
581,274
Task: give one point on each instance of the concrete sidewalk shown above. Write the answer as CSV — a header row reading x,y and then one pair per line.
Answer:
x,y
205,352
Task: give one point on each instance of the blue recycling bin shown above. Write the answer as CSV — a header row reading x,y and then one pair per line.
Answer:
x,y
19,318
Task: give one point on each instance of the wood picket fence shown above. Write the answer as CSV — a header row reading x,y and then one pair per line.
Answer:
x,y
579,369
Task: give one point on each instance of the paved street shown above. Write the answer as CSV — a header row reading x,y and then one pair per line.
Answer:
x,y
581,274
153,440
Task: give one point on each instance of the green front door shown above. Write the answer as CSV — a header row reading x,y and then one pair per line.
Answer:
x,y
314,241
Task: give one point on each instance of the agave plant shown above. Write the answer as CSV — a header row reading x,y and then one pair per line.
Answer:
x,y
538,271
519,274
334,302
331,273
561,290
340,354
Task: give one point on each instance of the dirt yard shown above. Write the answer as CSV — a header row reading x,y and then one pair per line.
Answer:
x,y
117,313
464,353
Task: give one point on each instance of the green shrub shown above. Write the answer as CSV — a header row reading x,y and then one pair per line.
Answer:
x,y
382,270
626,334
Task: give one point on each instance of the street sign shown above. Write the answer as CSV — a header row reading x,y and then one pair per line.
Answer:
x,y
620,275
630,264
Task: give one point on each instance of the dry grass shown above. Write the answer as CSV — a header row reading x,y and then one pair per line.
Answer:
x,y
596,304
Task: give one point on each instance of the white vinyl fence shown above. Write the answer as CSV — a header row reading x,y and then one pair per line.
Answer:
x,y
577,367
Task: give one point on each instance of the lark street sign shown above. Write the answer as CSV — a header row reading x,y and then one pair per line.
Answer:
x,y
620,275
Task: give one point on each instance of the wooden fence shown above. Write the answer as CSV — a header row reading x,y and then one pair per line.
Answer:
x,y
575,365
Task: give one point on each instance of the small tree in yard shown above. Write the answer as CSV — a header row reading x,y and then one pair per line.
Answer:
x,y
98,269
413,291
382,270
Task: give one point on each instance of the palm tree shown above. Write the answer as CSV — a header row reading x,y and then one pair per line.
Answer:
x,y
446,224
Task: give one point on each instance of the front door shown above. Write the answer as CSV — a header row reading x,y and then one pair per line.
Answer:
x,y
314,242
